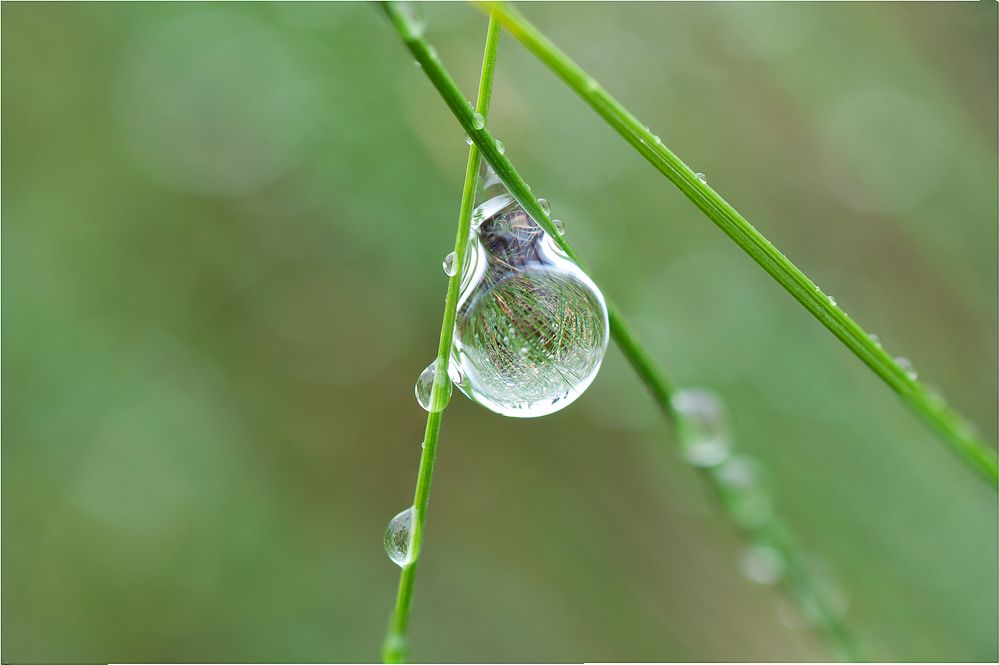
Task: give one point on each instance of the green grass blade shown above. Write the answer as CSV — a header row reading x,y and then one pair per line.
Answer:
x,y
954,430
394,648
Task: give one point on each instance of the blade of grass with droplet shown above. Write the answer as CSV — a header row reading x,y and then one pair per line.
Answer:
x,y
395,646
951,427
662,389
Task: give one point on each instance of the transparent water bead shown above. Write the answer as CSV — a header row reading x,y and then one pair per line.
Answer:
x,y
745,489
531,329
545,205
414,20
478,121
907,367
425,390
703,427
450,266
762,564
559,226
399,537
500,148
703,178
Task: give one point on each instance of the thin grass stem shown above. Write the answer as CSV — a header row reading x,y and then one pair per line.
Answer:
x,y
952,428
394,649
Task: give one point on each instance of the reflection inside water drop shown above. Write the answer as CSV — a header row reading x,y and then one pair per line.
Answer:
x,y
532,328
399,537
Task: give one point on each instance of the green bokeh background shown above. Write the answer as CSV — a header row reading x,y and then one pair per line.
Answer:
x,y
222,234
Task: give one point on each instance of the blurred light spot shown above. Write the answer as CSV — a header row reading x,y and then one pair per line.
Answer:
x,y
216,103
762,564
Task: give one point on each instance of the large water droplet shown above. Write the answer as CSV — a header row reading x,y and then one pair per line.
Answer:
x,y
762,564
703,427
907,367
559,226
450,265
745,490
399,537
532,327
478,122
545,205
425,390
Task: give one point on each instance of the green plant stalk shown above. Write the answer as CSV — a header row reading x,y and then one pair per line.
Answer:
x,y
652,375
949,425
395,646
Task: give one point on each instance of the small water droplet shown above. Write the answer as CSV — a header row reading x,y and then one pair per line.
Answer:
x,y
832,301
703,178
478,122
907,367
450,265
399,537
762,564
417,64
702,426
468,140
414,19
745,491
425,390
500,148
559,226
874,338
547,207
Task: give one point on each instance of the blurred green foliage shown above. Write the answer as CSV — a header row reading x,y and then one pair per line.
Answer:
x,y
222,234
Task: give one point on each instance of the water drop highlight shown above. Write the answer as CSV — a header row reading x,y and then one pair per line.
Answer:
x,y
703,178
907,367
702,427
545,205
425,390
500,148
532,328
559,226
745,490
478,122
450,266
762,564
399,537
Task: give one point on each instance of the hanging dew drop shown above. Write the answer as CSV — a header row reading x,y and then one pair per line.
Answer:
x,y
545,205
478,122
532,328
425,390
907,367
745,490
450,265
703,427
399,537
559,226
762,564
703,178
